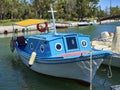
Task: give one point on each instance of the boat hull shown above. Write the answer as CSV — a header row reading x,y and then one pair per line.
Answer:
x,y
79,70
83,24
114,61
102,45
61,26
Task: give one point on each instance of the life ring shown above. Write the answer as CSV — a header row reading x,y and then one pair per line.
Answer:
x,y
39,28
12,44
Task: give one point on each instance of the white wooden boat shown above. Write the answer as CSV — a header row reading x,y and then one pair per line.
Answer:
x,y
111,42
67,55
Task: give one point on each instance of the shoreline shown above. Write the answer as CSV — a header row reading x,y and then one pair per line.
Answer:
x,y
9,29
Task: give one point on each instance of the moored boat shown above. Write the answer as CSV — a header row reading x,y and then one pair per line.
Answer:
x,y
61,25
84,23
67,55
109,41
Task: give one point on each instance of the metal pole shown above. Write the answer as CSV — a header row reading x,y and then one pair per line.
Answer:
x,y
53,19
110,7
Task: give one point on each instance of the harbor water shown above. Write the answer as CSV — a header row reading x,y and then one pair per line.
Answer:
x,y
14,75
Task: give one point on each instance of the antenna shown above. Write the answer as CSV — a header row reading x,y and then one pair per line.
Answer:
x,y
52,12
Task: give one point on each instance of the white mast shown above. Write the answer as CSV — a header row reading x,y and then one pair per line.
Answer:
x,y
54,26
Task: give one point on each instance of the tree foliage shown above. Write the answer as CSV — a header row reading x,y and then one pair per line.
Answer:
x,y
115,11
66,9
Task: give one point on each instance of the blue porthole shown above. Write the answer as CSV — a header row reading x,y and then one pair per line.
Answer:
x,y
84,43
42,48
58,46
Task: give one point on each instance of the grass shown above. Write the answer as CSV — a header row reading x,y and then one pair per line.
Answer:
x,y
7,22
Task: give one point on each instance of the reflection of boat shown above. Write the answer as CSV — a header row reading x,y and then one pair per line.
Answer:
x,y
61,25
109,41
84,23
67,55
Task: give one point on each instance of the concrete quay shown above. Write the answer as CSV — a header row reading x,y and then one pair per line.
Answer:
x,y
9,29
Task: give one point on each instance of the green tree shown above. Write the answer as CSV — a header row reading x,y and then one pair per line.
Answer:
x,y
41,8
4,6
70,9
82,8
66,9
115,11
86,8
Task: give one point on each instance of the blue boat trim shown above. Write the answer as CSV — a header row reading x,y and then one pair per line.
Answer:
x,y
62,60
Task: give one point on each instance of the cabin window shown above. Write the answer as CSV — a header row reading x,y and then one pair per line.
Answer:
x,y
58,46
31,46
84,43
71,43
42,48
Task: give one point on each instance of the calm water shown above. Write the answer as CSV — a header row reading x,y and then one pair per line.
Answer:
x,y
14,75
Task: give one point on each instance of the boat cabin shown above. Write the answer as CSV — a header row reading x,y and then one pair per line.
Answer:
x,y
54,45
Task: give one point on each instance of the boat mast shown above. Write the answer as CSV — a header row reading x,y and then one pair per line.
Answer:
x,y
52,12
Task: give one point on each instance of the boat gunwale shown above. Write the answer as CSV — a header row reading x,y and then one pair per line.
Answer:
x,y
62,60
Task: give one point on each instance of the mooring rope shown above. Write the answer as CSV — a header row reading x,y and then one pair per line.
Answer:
x,y
90,70
109,74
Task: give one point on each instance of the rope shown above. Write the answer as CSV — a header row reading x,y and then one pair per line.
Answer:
x,y
90,70
109,74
